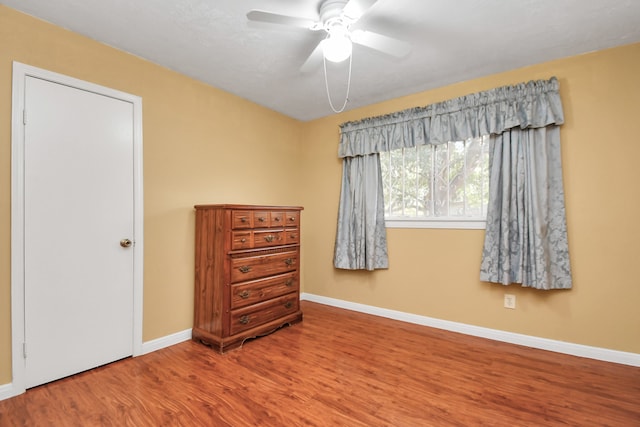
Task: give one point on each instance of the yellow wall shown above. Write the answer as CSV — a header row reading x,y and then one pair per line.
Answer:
x,y
435,272
197,138
201,145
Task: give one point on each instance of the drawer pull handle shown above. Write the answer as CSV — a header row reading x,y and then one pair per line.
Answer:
x,y
243,219
243,240
268,238
289,282
288,304
244,294
289,261
244,320
262,219
293,236
292,218
244,269
276,219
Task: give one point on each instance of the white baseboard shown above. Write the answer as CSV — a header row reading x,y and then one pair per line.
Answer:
x,y
632,359
6,391
167,341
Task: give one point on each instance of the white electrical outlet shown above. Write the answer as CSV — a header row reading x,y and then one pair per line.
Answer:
x,y
509,301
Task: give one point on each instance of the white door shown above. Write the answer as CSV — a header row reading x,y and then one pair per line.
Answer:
x,y
78,206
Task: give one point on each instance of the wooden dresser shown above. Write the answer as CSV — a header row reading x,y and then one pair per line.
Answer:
x,y
247,280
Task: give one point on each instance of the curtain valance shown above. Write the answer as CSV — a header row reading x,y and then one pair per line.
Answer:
x,y
530,105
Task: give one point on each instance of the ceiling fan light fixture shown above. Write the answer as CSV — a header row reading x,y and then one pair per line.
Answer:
x,y
337,46
337,49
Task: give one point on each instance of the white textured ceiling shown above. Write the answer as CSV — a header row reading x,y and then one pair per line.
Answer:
x,y
452,41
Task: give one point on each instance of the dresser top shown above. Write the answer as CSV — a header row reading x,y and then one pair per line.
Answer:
x,y
249,207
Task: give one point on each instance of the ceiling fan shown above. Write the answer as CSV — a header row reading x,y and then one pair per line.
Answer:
x,y
336,18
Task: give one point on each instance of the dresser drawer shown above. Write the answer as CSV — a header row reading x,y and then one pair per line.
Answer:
x,y
255,315
265,238
292,218
241,219
252,292
261,219
277,219
291,236
241,240
243,269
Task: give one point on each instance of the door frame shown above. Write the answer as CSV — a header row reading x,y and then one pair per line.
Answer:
x,y
20,74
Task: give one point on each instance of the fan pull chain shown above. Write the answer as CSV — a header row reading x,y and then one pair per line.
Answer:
x,y
326,85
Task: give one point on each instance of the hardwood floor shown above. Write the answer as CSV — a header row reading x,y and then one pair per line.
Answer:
x,y
340,368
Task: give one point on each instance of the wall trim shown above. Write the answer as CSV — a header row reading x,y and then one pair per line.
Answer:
x,y
166,341
7,391
603,354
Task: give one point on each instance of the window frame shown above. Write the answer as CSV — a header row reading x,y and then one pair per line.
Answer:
x,y
445,223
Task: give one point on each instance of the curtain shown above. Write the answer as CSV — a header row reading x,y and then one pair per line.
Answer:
x,y
526,234
361,241
506,113
527,105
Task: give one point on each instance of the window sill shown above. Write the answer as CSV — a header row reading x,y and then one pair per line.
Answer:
x,y
447,223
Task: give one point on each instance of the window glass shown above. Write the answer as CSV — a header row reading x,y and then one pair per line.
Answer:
x,y
444,185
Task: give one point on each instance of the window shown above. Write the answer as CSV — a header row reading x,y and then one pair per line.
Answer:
x,y
437,186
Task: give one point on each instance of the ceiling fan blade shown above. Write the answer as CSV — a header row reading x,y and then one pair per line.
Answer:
x,y
314,60
384,44
274,18
354,9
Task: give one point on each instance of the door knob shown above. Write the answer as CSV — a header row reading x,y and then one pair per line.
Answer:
x,y
125,243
